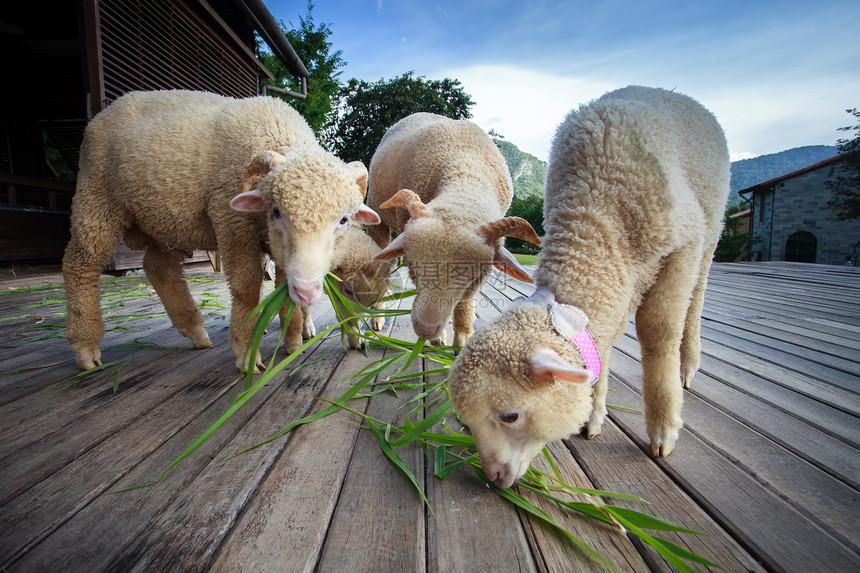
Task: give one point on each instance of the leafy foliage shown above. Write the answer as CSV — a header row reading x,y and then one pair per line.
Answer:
x,y
310,41
733,243
529,208
527,171
846,182
368,109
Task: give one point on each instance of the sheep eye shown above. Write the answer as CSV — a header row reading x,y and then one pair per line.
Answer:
x,y
276,212
509,417
343,222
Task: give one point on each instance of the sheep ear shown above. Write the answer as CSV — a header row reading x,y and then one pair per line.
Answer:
x,y
547,366
505,262
367,216
250,201
359,171
393,250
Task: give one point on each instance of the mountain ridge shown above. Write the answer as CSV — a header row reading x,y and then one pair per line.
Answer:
x,y
528,173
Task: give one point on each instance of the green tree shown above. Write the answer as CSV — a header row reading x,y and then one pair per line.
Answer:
x,y
311,43
367,110
529,208
846,182
733,243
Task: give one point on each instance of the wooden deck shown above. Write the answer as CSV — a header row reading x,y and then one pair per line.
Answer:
x,y
767,464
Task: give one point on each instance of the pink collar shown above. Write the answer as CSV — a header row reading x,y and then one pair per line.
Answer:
x,y
582,340
570,322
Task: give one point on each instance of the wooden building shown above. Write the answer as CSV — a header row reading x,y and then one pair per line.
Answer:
x,y
64,63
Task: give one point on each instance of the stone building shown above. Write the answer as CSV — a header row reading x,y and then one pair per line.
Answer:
x,y
790,219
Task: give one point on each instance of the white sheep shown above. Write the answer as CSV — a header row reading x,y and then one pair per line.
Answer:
x,y
362,279
451,187
173,171
635,192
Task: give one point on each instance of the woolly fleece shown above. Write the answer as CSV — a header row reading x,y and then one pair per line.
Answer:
x,y
162,167
463,180
635,192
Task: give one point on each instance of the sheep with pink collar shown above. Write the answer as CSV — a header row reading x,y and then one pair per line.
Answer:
x,y
635,195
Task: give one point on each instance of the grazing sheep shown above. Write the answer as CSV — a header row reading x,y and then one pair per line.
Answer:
x,y
173,171
635,193
362,279
452,188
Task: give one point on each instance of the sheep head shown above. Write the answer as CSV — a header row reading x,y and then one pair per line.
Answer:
x,y
367,284
310,197
448,264
517,384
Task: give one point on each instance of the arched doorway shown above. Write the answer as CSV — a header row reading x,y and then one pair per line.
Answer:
x,y
800,247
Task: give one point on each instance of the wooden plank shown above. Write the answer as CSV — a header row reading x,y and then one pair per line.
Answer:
x,y
615,463
286,520
794,333
778,374
191,527
474,530
36,515
740,431
782,537
379,520
723,380
556,552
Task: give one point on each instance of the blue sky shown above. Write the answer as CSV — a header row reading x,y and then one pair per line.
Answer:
x,y
777,74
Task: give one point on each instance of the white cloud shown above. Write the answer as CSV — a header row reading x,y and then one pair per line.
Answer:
x,y
523,105
526,106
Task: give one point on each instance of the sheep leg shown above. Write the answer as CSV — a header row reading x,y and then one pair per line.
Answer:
x,y
244,269
308,328
164,270
95,235
691,342
464,320
659,326
293,330
598,400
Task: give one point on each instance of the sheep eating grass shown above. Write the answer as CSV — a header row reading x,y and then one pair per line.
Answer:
x,y
635,192
444,187
176,171
362,280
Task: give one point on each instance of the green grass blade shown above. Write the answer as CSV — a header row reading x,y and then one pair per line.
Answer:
x,y
537,512
386,448
428,422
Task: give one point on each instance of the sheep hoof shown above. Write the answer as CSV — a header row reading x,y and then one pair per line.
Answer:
x,y
355,342
200,339
592,432
377,323
88,358
290,347
663,444
309,331
687,379
242,365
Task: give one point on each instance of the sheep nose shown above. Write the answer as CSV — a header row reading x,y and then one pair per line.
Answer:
x,y
305,291
426,330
